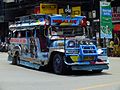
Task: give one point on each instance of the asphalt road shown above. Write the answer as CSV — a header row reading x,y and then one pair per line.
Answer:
x,y
21,78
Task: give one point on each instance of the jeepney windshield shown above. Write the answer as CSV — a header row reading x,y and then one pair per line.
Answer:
x,y
68,31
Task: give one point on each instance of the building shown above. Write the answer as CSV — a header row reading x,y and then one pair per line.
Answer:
x,y
17,8
89,8
3,24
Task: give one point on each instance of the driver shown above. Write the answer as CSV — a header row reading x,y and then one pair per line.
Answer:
x,y
54,34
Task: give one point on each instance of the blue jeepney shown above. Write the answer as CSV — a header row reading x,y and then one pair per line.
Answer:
x,y
60,43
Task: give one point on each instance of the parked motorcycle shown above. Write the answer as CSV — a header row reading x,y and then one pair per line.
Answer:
x,y
3,47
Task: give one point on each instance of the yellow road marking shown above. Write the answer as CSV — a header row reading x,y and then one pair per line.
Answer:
x,y
99,86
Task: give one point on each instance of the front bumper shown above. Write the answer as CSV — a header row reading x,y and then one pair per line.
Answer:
x,y
90,67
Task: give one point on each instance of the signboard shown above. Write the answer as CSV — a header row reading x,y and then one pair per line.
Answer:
x,y
115,14
48,8
76,10
116,17
61,11
1,18
18,40
59,20
105,20
8,1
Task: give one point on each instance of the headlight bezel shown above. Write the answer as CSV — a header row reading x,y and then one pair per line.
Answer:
x,y
71,44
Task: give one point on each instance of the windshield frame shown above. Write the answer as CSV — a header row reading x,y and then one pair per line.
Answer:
x,y
68,31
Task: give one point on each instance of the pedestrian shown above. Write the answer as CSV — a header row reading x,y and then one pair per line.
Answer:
x,y
116,45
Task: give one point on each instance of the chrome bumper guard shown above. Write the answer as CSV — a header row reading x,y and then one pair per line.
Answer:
x,y
90,67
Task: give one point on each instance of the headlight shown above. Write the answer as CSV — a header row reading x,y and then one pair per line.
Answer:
x,y
91,43
71,44
99,51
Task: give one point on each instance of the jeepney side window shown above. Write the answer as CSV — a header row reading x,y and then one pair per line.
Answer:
x,y
29,33
15,34
23,34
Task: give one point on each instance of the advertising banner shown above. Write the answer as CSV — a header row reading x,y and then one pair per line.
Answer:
x,y
105,20
71,21
48,8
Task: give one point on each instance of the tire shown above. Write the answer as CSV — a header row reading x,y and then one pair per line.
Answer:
x,y
11,59
58,64
18,60
97,71
14,60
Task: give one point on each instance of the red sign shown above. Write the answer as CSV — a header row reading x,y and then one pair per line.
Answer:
x,y
18,40
64,21
116,17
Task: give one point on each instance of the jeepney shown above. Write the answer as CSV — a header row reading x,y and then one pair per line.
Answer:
x,y
57,42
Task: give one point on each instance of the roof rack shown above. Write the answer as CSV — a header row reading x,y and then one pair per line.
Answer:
x,y
29,18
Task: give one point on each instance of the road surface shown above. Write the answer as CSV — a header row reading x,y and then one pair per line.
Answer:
x,y
21,78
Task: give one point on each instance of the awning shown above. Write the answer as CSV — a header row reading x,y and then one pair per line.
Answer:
x,y
117,27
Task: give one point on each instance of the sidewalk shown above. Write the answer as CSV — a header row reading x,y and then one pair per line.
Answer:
x,y
3,54
114,58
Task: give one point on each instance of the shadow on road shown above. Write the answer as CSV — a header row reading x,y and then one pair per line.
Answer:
x,y
78,73
87,73
70,73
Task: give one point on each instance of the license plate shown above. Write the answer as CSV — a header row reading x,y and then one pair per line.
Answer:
x,y
88,58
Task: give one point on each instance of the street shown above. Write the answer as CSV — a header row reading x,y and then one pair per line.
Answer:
x,y
14,77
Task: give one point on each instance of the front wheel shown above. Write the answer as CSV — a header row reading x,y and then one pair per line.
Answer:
x,y
58,64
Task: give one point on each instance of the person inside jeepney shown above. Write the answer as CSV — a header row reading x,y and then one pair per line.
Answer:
x,y
41,34
9,36
32,46
54,34
80,33
18,35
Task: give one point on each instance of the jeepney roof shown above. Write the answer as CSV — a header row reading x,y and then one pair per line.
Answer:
x,y
30,21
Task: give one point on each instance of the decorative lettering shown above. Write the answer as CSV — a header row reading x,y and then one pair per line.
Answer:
x,y
18,40
65,21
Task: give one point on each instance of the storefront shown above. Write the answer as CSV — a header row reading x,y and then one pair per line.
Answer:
x,y
115,41
3,31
